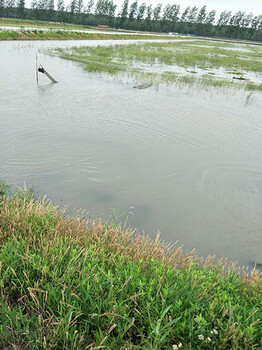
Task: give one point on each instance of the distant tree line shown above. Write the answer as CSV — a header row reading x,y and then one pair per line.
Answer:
x,y
140,16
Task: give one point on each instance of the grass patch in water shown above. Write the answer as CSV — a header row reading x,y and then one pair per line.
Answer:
x,y
252,87
96,68
235,73
137,56
72,283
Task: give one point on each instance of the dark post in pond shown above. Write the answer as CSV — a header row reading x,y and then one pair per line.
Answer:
x,y
42,70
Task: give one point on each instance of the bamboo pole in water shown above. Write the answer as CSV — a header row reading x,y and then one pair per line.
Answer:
x,y
36,67
42,70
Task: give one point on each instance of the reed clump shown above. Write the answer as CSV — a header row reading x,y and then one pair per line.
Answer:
x,y
69,282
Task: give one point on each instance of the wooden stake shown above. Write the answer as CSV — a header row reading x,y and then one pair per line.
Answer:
x,y
42,70
36,67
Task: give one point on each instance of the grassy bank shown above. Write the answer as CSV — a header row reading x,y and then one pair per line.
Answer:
x,y
71,283
67,35
187,62
26,23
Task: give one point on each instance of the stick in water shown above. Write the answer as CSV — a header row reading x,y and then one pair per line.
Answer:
x,y
36,67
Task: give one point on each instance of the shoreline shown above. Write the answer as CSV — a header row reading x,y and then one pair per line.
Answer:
x,y
74,276
63,35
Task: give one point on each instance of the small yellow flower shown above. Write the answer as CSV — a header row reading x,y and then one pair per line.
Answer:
x,y
175,347
180,345
201,337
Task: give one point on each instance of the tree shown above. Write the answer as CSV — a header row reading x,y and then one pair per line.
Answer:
x,y
21,8
192,15
224,18
184,17
237,19
2,7
111,9
72,7
61,6
171,13
41,5
37,8
133,10
201,15
210,18
105,8
9,3
196,20
101,8
50,5
79,6
246,20
141,11
256,22
33,5
61,10
89,6
157,12
149,12
124,11
259,26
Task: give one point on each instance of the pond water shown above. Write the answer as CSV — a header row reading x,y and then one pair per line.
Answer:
x,y
188,161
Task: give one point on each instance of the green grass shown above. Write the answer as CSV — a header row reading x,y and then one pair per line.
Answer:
x,y
128,60
72,283
179,53
62,35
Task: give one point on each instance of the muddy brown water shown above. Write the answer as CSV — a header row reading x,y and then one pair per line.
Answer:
x,y
188,161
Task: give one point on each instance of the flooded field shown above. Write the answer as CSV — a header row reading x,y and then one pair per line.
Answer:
x,y
188,161
186,61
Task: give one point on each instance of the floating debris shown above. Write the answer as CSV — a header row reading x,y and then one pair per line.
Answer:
x,y
143,86
239,78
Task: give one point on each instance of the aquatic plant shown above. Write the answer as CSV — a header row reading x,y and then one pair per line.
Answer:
x,y
146,58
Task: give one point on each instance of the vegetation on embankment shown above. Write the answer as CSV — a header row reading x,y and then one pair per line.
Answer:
x,y
141,16
72,283
70,35
27,23
187,62
19,22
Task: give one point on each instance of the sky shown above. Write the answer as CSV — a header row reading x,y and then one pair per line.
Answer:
x,y
254,6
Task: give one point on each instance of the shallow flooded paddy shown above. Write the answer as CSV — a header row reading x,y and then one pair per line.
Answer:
x,y
186,61
189,161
